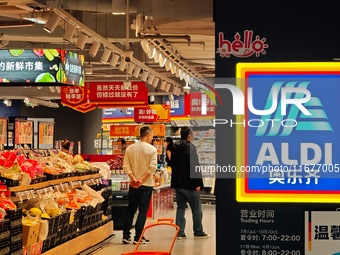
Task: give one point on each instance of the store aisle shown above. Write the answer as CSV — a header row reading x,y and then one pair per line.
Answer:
x,y
161,237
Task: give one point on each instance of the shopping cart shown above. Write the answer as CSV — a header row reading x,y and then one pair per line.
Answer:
x,y
160,222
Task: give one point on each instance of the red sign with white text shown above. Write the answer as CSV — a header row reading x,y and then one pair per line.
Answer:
x,y
120,93
154,113
201,105
73,96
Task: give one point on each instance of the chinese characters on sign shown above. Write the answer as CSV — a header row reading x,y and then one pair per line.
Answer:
x,y
196,105
119,93
154,113
73,96
21,66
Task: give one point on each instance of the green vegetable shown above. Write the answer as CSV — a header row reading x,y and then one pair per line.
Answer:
x,y
48,55
16,52
47,77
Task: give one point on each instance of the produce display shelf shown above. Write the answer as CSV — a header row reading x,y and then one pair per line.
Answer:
x,y
83,242
45,184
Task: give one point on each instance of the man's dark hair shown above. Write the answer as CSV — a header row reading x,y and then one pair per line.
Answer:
x,y
185,131
144,131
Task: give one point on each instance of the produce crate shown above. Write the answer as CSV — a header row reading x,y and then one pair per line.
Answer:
x,y
16,246
95,170
5,250
14,214
4,225
9,182
16,230
18,252
4,235
16,238
50,177
46,244
35,180
16,222
98,207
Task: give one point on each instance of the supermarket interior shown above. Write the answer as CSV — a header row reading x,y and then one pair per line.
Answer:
x,y
94,73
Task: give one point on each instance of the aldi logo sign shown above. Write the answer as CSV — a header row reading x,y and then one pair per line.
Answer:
x,y
288,137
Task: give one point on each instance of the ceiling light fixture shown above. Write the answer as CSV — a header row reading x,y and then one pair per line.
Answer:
x,y
94,49
163,85
167,87
155,82
167,65
151,77
8,102
162,60
145,46
35,102
152,52
114,60
70,29
122,65
52,23
136,71
157,56
144,75
81,41
106,54
88,71
130,68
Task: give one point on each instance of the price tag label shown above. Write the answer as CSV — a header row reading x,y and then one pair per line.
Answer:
x,y
20,195
71,184
62,186
27,194
93,182
32,193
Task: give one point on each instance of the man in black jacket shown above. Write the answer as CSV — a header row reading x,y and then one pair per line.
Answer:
x,y
187,183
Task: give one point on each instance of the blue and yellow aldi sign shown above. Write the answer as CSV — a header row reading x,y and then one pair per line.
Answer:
x,y
288,140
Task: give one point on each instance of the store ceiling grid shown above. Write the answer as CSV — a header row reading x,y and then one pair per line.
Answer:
x,y
185,26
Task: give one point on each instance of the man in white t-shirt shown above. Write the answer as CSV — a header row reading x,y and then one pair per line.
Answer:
x,y
140,162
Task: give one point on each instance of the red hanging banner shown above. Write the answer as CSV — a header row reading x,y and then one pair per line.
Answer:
x,y
73,96
118,93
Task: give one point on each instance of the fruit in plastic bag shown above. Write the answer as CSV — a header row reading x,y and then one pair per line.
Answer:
x,y
69,158
77,159
62,154
35,211
6,203
21,159
52,208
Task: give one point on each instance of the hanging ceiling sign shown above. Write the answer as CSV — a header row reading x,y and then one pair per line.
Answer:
x,y
154,113
73,96
77,98
118,93
179,106
118,114
133,130
41,66
288,140
201,106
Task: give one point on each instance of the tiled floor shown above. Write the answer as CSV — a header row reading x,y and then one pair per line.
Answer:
x,y
162,236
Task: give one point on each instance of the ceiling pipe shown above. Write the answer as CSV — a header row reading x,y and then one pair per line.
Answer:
x,y
185,37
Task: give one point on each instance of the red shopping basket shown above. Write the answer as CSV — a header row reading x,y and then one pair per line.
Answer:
x,y
159,223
